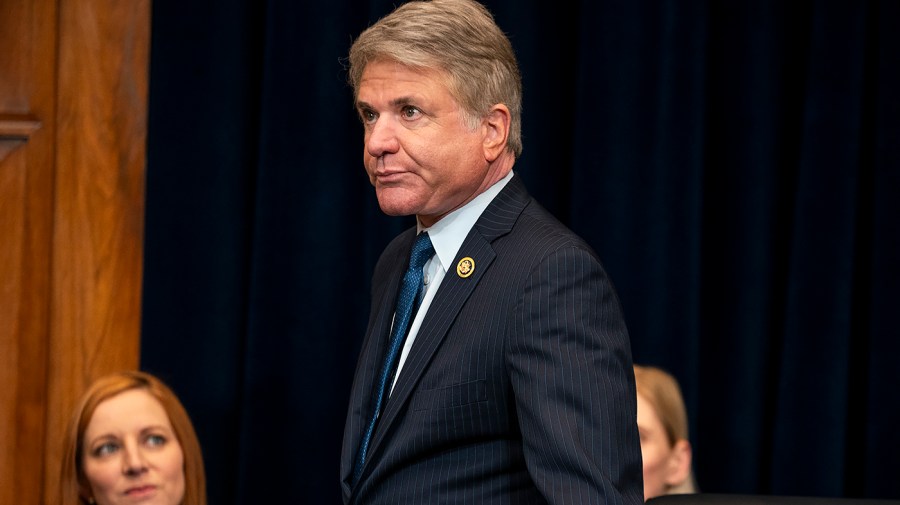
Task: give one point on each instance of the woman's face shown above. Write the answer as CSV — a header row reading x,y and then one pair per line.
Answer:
x,y
131,454
658,454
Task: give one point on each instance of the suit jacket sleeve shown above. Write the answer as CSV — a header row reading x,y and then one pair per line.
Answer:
x,y
571,373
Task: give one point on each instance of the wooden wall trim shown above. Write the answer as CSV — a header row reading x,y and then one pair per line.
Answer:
x,y
15,130
18,126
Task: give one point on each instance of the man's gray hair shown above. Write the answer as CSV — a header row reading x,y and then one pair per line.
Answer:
x,y
458,38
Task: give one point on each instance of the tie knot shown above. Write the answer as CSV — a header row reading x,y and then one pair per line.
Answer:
x,y
422,251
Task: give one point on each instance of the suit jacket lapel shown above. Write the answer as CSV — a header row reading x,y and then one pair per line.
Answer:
x,y
497,219
371,358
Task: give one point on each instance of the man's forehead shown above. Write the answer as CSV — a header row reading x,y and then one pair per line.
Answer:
x,y
399,84
392,69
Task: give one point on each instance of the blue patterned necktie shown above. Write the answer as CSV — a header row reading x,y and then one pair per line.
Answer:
x,y
407,301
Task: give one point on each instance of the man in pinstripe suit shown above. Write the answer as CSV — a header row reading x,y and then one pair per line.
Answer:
x,y
514,383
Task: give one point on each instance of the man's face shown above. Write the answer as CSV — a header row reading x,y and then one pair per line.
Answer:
x,y
420,154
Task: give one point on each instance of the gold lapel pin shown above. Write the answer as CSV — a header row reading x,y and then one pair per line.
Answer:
x,y
465,267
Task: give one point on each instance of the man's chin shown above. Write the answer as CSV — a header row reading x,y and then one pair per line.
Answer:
x,y
393,206
393,209
395,213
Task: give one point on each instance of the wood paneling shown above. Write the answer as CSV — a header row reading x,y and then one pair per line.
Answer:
x,y
24,262
73,94
27,109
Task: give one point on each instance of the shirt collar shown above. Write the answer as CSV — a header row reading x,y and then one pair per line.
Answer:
x,y
448,233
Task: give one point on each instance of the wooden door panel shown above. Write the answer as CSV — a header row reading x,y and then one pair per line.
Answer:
x,y
23,344
73,93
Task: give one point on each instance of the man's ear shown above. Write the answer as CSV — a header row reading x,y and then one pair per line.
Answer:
x,y
679,465
495,130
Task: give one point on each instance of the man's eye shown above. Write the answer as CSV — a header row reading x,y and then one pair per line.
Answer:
x,y
367,116
410,112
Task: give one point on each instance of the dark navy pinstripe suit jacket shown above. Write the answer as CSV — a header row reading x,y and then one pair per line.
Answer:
x,y
519,386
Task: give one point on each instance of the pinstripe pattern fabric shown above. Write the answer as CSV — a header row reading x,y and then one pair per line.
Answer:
x,y
518,388
407,300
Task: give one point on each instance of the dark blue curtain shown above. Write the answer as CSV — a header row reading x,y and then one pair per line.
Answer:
x,y
735,164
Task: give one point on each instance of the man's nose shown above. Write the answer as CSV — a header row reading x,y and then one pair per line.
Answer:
x,y
382,138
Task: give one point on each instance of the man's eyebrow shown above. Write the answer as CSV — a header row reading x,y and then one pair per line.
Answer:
x,y
397,102
403,100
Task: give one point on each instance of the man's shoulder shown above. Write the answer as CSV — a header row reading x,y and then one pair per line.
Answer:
x,y
539,223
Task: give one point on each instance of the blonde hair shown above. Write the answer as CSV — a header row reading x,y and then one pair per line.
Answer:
x,y
458,38
661,391
74,487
